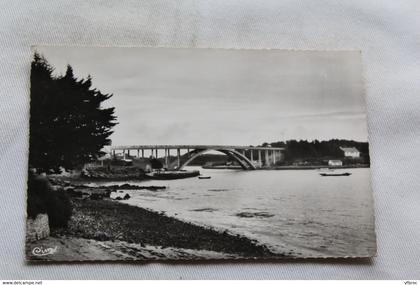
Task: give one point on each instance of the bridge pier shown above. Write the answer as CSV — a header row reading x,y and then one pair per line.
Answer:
x,y
267,159
178,156
274,157
166,157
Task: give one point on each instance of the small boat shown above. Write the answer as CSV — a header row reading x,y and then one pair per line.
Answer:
x,y
170,175
336,174
204,177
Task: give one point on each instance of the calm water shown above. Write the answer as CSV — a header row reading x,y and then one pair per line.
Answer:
x,y
297,212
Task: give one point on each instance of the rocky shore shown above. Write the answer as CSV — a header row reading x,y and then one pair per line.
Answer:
x,y
113,173
108,220
101,228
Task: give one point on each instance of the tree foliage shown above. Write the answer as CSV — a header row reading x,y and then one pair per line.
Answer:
x,y
68,126
156,163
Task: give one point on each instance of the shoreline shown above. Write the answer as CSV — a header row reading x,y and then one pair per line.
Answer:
x,y
143,234
78,180
292,167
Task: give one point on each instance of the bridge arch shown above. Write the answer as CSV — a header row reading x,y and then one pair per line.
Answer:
x,y
243,161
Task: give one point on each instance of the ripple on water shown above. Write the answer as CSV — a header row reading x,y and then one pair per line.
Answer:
x,y
204,210
218,190
254,215
173,197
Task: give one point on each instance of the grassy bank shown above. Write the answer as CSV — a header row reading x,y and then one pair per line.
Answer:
x,y
107,220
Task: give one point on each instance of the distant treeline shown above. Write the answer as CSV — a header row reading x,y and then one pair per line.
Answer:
x,y
312,152
318,150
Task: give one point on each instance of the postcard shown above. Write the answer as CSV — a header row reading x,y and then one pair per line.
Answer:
x,y
197,154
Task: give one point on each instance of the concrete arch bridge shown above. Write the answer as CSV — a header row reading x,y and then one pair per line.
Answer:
x,y
248,157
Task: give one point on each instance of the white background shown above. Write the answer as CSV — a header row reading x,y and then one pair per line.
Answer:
x,y
387,32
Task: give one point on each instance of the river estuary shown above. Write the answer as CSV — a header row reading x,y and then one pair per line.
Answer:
x,y
297,212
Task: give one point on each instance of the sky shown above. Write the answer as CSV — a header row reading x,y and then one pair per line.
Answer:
x,y
221,96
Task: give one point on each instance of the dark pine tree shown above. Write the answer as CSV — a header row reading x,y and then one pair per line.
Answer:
x,y
68,126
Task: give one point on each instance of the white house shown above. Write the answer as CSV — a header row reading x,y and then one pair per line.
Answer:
x,y
335,162
351,152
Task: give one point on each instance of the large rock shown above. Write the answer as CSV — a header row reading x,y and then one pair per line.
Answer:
x,y
101,236
37,228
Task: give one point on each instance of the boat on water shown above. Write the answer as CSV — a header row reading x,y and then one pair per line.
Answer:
x,y
204,177
170,175
336,174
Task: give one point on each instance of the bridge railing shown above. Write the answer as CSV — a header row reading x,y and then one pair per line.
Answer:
x,y
227,147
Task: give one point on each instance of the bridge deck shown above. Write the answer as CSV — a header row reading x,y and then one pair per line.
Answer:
x,y
223,147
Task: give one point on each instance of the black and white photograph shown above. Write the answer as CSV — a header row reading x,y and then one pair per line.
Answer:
x,y
142,153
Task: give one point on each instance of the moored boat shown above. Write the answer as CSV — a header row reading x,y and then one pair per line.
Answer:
x,y
204,177
336,174
170,175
